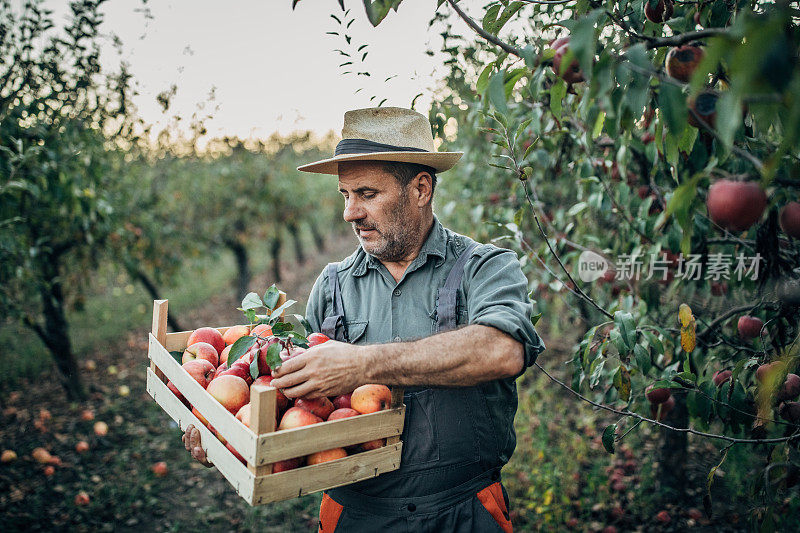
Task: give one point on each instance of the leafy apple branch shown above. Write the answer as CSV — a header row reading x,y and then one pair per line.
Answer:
x,y
631,414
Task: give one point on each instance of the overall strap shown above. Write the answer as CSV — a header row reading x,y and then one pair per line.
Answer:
x,y
448,294
333,326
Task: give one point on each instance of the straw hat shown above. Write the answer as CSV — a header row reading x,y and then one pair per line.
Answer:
x,y
385,134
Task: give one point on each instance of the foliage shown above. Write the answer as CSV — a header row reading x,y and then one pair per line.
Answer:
x,y
619,165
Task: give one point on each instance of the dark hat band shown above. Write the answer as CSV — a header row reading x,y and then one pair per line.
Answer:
x,y
363,146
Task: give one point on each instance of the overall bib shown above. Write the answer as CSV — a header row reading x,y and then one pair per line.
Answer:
x,y
449,475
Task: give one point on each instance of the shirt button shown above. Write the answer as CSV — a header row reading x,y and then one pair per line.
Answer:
x,y
397,292
397,339
412,507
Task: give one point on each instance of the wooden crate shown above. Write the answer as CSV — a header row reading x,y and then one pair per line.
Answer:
x,y
262,445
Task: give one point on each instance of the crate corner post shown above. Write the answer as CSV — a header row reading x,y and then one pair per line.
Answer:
x,y
263,409
159,330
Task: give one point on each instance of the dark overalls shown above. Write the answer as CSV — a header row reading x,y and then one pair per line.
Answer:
x,y
449,475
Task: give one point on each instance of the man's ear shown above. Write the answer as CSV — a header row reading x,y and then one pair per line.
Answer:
x,y
423,185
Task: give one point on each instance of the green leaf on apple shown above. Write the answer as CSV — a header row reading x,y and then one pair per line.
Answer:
x,y
254,367
271,297
298,340
281,328
240,348
274,356
307,329
251,301
608,437
277,312
251,315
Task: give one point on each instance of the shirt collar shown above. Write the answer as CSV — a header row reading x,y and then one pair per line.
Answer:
x,y
435,244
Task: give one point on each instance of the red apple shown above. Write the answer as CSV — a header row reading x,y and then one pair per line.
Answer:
x,y
261,330
240,368
296,417
223,357
200,417
231,391
790,411
790,219
82,446
371,398
281,400
160,469
658,10
344,412
373,444
234,333
663,517
322,407
682,61
703,108
201,350
749,327
325,456
287,464
735,205
317,338
235,453
790,389
769,371
209,335
656,396
243,415
721,377
665,407
342,401
572,72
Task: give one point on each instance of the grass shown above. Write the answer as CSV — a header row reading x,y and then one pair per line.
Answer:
x,y
115,306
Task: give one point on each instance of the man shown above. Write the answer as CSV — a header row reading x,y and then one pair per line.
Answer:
x,y
418,306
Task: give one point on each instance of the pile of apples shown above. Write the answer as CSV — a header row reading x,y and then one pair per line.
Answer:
x,y
206,360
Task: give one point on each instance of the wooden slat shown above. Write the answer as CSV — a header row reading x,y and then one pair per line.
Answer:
x,y
240,437
230,467
397,401
308,479
289,443
160,308
263,409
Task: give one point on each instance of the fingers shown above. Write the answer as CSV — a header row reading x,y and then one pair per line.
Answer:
x,y
290,380
304,389
292,365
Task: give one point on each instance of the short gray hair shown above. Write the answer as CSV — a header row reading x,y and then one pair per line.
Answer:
x,y
405,172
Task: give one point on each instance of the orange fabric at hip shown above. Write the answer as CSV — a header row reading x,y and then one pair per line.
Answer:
x,y
329,513
492,499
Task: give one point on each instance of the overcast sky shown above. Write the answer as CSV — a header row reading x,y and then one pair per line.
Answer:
x,y
271,68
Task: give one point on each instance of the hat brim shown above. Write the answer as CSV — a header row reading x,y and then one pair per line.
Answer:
x,y
440,161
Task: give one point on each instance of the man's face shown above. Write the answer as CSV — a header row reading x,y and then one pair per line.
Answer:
x,y
384,215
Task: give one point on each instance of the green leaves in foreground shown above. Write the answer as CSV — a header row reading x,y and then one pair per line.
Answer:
x,y
608,437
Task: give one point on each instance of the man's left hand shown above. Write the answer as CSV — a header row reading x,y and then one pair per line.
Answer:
x,y
328,369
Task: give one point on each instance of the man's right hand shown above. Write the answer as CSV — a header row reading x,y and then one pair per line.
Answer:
x,y
191,441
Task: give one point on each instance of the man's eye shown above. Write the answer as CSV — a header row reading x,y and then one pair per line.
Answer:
x,y
368,195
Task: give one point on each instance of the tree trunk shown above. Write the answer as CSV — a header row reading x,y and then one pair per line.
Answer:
x,y
673,460
294,231
319,240
242,265
55,335
152,290
275,249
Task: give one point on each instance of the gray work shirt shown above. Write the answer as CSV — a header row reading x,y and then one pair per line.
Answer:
x,y
493,293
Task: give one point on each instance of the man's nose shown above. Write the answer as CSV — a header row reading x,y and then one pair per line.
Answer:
x,y
352,211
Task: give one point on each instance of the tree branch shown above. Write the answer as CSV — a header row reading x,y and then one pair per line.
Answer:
x,y
483,33
794,436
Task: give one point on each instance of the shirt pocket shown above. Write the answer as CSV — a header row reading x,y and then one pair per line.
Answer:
x,y
356,329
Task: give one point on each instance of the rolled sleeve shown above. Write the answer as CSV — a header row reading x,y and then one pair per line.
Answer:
x,y
496,292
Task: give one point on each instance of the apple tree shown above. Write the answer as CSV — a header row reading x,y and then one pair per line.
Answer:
x,y
60,120
654,148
